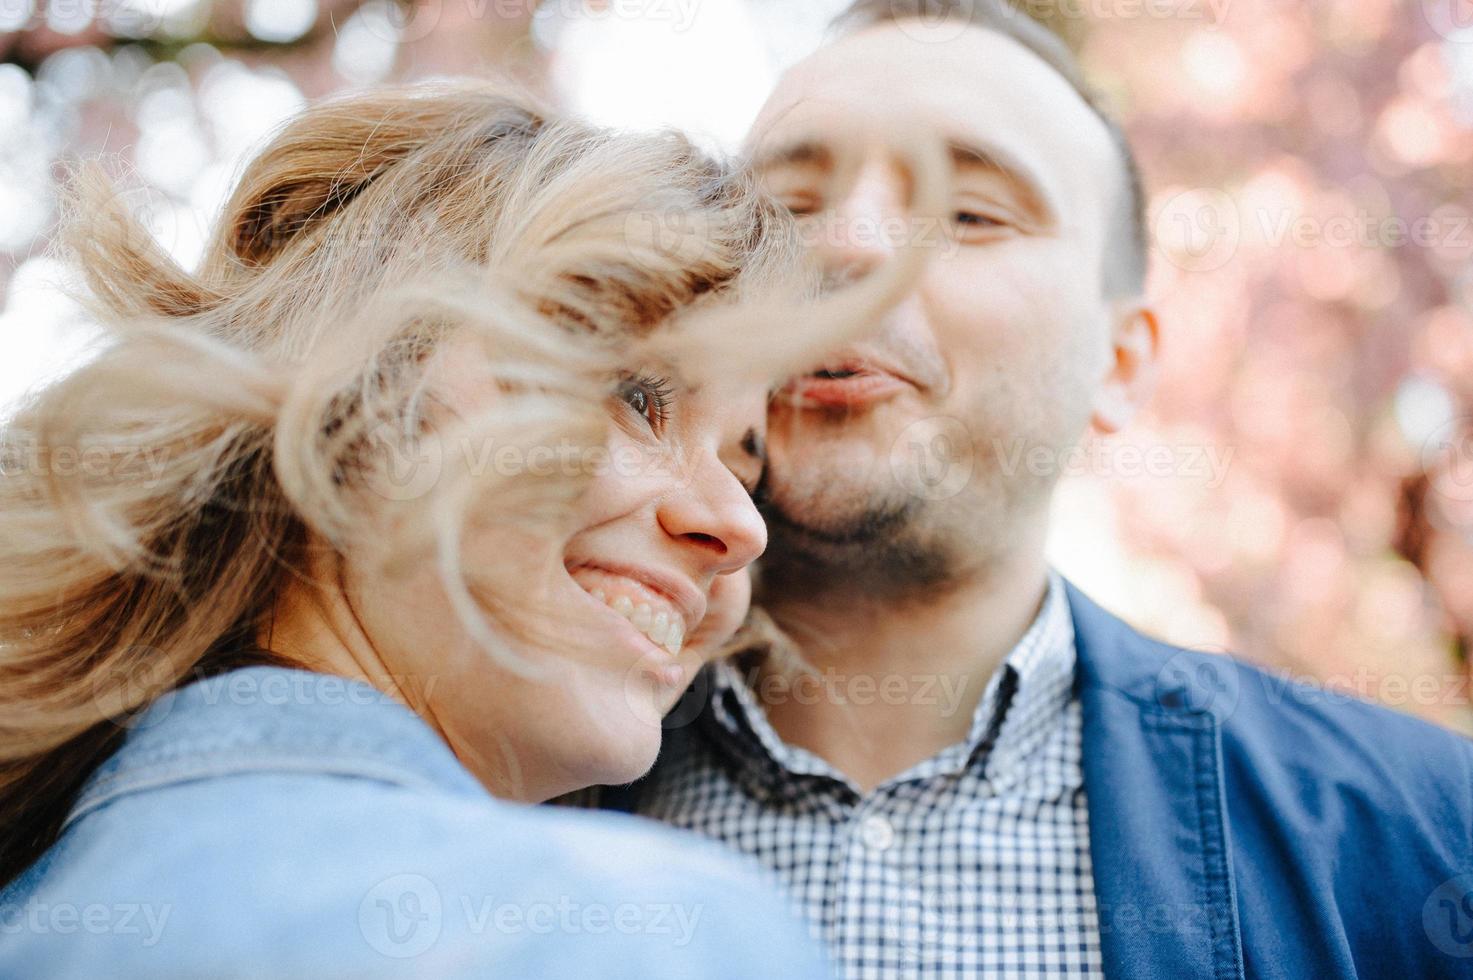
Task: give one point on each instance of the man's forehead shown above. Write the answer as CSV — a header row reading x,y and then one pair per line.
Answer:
x,y
976,87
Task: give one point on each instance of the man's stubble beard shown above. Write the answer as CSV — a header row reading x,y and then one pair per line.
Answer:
x,y
890,545
838,532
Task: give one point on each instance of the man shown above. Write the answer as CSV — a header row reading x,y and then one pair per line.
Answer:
x,y
990,774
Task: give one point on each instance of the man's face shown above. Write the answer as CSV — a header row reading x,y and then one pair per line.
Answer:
x,y
934,445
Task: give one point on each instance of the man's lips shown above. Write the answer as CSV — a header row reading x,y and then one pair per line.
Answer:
x,y
847,384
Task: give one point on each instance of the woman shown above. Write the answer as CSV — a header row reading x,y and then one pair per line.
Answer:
x,y
430,487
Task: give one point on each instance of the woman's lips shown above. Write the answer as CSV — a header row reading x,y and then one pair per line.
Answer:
x,y
659,662
649,611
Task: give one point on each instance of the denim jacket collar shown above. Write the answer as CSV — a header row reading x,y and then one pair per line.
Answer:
x,y
274,719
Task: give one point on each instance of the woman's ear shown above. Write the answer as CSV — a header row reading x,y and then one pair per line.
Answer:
x,y
1135,343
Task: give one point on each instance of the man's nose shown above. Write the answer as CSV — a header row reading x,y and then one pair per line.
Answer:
x,y
866,224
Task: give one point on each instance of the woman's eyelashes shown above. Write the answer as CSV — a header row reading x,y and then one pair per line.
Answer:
x,y
648,396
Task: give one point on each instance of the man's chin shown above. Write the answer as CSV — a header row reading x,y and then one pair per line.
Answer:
x,y
854,518
878,551
830,471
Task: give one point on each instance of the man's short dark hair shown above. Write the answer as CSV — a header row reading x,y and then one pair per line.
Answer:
x,y
1003,17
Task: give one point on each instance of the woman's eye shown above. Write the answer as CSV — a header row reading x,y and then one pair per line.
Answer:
x,y
636,397
648,397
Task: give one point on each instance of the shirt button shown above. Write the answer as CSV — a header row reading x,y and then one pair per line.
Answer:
x,y
877,833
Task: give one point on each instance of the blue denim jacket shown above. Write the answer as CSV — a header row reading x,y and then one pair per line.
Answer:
x,y
279,823
1246,826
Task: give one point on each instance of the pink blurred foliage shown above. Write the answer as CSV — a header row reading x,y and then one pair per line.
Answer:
x,y
1292,149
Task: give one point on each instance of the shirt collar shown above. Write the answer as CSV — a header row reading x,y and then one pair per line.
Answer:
x,y
1024,700
275,719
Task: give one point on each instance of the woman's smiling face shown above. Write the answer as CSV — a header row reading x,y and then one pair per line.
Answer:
x,y
668,527
652,579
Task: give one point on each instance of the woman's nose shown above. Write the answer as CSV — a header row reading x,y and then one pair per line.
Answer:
x,y
715,516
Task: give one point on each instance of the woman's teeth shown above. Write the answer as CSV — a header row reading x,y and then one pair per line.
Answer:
x,y
660,627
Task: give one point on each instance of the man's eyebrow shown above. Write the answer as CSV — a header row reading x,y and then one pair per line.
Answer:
x,y
807,153
972,157
965,156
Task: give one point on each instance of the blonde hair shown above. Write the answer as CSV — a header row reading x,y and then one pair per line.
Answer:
x,y
155,502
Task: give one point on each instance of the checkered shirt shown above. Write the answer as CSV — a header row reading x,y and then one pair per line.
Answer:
x,y
974,863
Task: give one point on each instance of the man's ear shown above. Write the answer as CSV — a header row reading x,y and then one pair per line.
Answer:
x,y
1130,375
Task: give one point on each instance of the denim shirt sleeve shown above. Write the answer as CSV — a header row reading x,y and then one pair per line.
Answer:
x,y
308,867
380,889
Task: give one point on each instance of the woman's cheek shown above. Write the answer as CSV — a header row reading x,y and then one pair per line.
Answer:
x,y
726,610
623,479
